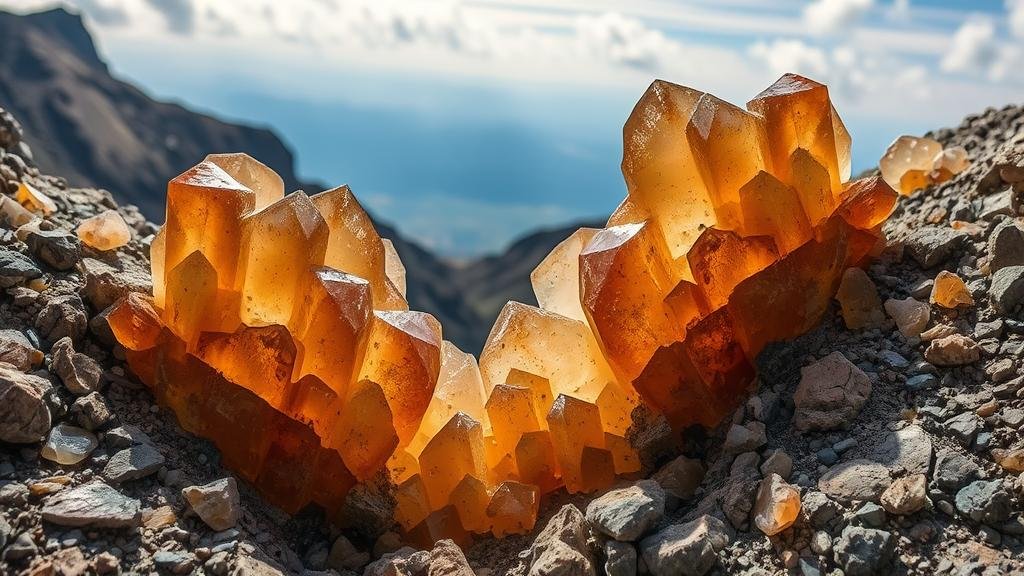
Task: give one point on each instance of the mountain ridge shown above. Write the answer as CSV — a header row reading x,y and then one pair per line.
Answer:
x,y
100,131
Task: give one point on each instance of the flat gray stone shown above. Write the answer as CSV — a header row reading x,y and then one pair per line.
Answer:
x,y
627,514
864,551
93,504
856,480
908,449
680,550
133,463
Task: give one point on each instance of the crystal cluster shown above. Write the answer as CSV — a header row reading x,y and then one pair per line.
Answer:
x,y
278,326
306,377
911,163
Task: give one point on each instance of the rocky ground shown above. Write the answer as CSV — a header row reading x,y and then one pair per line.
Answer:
x,y
891,447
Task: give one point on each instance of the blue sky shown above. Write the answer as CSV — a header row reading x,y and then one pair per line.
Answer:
x,y
469,122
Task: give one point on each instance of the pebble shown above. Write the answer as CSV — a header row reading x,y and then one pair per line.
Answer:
x,y
906,495
79,373
133,463
217,503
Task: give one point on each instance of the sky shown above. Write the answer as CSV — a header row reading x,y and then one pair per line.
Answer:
x,y
467,123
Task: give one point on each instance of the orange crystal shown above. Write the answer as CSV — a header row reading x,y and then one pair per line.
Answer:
x,y
279,328
911,163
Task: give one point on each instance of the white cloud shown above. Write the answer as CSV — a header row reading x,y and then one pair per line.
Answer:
x,y
974,47
1015,17
625,41
899,10
790,55
830,16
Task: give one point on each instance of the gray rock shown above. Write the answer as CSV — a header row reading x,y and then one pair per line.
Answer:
x,y
57,248
681,549
738,500
855,480
745,438
133,463
23,547
830,394
125,436
105,284
368,510
827,456
933,245
1007,289
16,268
13,493
819,509
627,514
953,470
10,130
921,382
680,478
93,504
561,547
777,463
908,449
963,426
446,559
1006,246
91,411
869,514
620,558
984,502
79,373
16,350
217,503
174,562
864,551
62,316
5,532
24,413
345,556
400,562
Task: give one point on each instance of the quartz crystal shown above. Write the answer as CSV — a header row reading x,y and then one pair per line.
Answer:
x,y
104,231
911,163
279,328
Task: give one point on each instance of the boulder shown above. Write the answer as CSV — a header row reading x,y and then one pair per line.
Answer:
x,y
856,480
93,504
217,503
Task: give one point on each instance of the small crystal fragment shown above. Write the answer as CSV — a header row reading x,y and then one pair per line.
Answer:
x,y
68,445
104,231
35,200
949,291
777,505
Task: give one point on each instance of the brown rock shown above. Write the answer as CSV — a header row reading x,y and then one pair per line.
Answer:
x,y
830,394
858,298
24,414
952,350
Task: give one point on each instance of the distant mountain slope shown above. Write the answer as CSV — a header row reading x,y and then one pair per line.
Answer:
x,y
98,131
